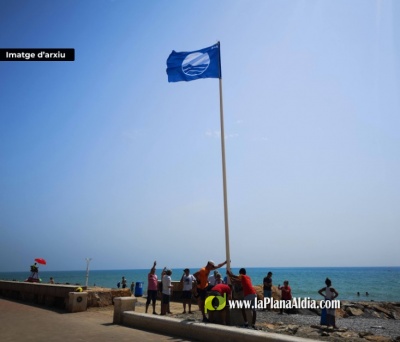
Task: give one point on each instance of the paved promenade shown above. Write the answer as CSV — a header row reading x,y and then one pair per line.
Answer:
x,y
21,322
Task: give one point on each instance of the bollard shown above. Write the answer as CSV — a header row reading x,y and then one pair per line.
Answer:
x,y
122,304
77,301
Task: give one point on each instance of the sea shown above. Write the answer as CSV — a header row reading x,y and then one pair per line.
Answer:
x,y
381,283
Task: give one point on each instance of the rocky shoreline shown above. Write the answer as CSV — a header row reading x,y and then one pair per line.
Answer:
x,y
357,321
373,321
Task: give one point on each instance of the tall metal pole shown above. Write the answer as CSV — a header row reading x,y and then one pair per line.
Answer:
x,y
87,270
221,109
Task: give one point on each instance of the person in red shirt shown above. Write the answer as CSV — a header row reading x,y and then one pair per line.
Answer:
x,y
249,293
286,292
223,289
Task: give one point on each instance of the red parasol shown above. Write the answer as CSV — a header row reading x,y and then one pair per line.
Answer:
x,y
40,261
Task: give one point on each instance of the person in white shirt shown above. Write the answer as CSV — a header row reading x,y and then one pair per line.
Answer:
x,y
212,279
166,292
329,293
187,280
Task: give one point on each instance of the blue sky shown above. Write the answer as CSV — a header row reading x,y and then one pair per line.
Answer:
x,y
103,158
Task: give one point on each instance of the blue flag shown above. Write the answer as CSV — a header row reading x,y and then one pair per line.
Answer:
x,y
189,66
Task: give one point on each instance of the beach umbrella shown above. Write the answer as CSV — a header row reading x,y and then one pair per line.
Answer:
x,y
40,261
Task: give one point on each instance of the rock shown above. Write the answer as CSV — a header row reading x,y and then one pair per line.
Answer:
x,y
383,310
348,335
292,328
356,305
276,293
269,326
369,313
308,332
325,333
354,311
315,326
288,329
341,313
377,338
104,297
362,334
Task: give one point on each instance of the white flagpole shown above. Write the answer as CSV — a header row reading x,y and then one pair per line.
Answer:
x,y
87,271
221,109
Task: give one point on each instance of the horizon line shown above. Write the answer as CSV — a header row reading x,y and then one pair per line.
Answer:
x,y
183,267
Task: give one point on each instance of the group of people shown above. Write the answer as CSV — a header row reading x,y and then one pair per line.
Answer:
x,y
123,283
200,278
200,284
165,287
286,291
328,292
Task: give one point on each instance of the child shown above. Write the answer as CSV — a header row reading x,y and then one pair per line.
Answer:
x,y
286,293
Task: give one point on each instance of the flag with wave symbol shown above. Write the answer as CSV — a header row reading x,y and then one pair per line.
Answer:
x,y
189,66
